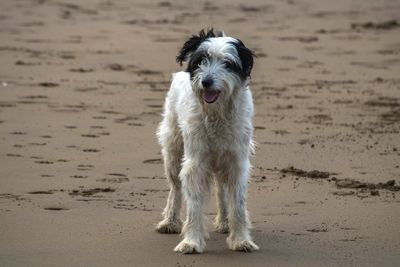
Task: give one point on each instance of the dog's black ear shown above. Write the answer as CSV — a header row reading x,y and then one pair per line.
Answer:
x,y
246,57
189,48
194,42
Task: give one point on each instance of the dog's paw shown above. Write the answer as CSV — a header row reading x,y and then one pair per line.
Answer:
x,y
187,247
221,227
169,227
243,245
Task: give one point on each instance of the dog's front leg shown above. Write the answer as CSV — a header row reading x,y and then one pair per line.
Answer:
x,y
239,223
221,221
195,185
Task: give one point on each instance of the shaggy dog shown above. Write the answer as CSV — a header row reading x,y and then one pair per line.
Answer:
x,y
206,134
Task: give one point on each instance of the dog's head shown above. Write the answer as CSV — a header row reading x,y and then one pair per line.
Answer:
x,y
218,65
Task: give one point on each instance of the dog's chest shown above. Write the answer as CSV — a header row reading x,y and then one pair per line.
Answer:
x,y
218,132
214,126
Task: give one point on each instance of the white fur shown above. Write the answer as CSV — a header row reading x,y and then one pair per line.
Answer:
x,y
203,142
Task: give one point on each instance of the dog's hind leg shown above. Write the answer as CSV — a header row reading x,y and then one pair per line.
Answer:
x,y
171,223
221,221
172,153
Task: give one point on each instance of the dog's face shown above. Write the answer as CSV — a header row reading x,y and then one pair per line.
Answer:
x,y
218,65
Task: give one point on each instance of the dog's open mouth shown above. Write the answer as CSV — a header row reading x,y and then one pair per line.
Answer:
x,y
210,96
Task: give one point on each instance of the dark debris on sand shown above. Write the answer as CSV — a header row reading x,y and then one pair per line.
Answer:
x,y
354,184
309,174
386,25
90,192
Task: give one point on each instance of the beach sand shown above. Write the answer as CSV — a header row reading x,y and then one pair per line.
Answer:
x,y
82,84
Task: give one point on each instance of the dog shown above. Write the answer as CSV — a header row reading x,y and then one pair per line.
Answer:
x,y
206,135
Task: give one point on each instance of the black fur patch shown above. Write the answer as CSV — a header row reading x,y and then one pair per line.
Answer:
x,y
235,67
246,57
195,61
194,42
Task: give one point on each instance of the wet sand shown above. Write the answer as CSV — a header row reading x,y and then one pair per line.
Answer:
x,y
82,85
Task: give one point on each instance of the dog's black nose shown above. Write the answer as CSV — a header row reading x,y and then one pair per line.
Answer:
x,y
207,83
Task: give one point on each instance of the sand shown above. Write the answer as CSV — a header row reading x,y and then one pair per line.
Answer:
x,y
82,85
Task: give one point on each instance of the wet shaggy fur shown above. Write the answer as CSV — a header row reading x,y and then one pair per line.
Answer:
x,y
206,137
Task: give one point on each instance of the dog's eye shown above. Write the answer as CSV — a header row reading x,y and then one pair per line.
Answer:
x,y
228,64
203,61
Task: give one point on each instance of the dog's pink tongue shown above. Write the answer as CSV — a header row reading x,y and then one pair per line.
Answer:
x,y
210,96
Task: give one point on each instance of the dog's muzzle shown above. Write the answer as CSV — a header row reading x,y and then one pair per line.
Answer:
x,y
210,94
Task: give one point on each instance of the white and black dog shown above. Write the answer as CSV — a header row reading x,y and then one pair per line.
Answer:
x,y
207,134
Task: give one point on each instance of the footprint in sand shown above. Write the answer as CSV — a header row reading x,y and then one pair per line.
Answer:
x,y
48,84
24,63
114,180
56,208
148,72
86,89
79,176
71,127
82,70
110,112
91,192
99,117
84,167
120,67
117,174
91,150
135,124
153,161
154,106
37,144
32,97
14,155
41,192
46,175
90,135
7,105
117,178
18,133
44,162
